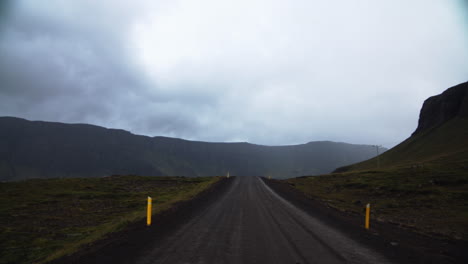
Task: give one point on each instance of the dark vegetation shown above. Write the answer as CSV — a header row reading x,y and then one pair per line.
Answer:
x,y
51,150
400,244
421,184
429,201
43,219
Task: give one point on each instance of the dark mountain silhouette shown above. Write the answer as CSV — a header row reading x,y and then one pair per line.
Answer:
x,y
440,140
36,149
441,108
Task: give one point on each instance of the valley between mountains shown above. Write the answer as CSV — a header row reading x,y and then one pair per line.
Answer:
x,y
74,194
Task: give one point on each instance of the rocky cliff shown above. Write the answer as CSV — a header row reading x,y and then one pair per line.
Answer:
x,y
441,108
441,137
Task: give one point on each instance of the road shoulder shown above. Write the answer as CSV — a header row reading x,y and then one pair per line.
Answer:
x,y
126,245
397,244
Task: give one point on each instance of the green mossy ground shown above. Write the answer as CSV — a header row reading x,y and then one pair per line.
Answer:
x,y
44,219
421,184
429,201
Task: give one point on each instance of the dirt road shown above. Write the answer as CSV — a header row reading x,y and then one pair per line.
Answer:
x,y
252,224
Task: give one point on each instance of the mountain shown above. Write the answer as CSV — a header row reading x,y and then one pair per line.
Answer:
x,y
441,138
421,185
36,149
440,109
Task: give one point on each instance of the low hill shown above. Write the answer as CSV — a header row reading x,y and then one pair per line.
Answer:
x,y
441,138
35,149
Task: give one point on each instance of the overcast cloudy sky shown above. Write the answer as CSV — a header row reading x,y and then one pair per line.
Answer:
x,y
264,71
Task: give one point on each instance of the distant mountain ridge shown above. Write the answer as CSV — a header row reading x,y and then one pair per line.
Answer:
x,y
37,149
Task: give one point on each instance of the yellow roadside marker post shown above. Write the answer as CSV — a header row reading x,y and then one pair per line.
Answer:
x,y
227,175
148,211
367,216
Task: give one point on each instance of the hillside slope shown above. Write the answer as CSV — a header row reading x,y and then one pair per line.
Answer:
x,y
421,184
441,138
45,150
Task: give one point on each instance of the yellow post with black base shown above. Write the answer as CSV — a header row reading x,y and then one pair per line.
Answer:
x,y
148,211
367,216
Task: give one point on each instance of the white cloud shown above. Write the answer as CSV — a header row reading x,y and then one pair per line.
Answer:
x,y
269,72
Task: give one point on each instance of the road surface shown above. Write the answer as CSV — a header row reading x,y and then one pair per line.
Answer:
x,y
252,224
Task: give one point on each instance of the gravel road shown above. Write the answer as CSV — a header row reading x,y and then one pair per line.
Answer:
x,y
250,223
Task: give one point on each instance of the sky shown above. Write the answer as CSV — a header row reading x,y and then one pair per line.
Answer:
x,y
262,71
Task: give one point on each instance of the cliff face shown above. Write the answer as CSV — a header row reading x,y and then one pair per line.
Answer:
x,y
443,107
441,136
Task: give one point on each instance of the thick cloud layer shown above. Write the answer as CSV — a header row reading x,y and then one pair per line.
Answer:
x,y
268,72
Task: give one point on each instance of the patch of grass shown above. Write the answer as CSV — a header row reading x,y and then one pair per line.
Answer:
x,y
43,219
421,184
445,146
432,199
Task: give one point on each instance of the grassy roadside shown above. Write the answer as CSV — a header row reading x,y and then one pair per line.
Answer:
x,y
428,200
420,184
41,220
